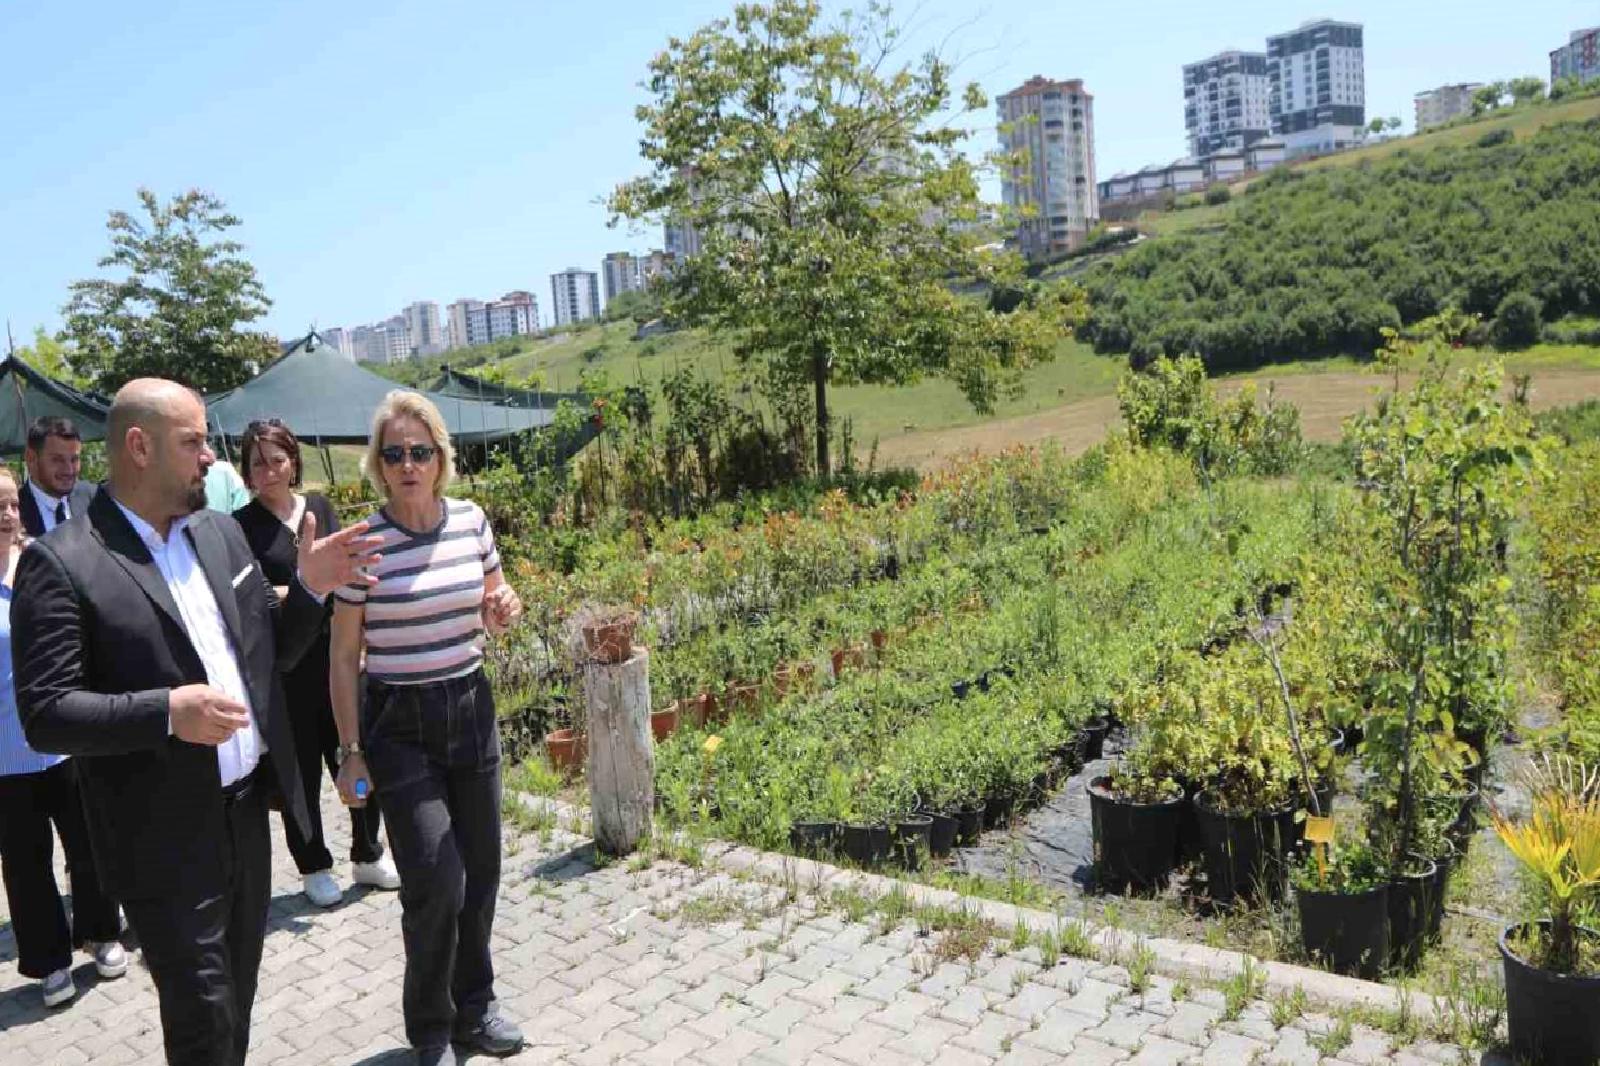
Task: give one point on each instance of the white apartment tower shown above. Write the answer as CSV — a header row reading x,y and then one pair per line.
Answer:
x,y
422,323
1438,106
1227,102
458,317
621,272
1318,86
1047,127
576,295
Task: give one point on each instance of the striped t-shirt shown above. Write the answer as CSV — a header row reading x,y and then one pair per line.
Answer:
x,y
424,618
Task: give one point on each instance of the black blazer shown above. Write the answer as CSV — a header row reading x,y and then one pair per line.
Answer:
x,y
97,642
33,522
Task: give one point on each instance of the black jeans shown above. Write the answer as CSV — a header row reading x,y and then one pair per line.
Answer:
x,y
433,751
204,951
316,739
29,803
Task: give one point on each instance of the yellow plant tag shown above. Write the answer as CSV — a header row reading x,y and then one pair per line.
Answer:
x,y
1319,830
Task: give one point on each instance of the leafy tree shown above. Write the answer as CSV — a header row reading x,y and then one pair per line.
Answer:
x,y
1526,90
1392,123
180,308
1488,98
1375,126
823,178
1517,321
52,358
640,306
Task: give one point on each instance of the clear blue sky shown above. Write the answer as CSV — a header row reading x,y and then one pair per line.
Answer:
x,y
381,153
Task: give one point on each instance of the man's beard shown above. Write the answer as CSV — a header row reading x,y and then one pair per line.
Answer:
x,y
195,498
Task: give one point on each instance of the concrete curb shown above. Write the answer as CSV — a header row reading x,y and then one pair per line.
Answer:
x,y
1171,958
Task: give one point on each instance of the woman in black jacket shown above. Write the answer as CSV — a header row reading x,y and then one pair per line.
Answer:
x,y
269,456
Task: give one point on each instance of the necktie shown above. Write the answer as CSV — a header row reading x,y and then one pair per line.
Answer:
x,y
61,511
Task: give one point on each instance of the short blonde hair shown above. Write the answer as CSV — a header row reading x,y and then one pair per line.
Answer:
x,y
403,403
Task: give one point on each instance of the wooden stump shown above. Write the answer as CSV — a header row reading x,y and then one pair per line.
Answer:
x,y
621,755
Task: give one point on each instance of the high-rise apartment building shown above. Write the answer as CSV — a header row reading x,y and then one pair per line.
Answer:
x,y
339,339
424,333
621,272
458,321
680,238
1318,86
1047,130
1227,102
1438,106
576,295
1578,58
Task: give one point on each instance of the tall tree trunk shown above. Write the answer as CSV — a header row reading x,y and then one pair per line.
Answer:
x,y
819,378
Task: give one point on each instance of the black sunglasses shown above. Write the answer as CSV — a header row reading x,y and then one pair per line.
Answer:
x,y
395,454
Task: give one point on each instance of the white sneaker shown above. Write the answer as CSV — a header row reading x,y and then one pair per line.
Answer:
x,y
58,988
380,874
109,957
320,888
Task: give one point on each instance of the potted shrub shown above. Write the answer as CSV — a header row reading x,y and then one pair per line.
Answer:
x,y
1134,816
1552,964
1343,899
817,835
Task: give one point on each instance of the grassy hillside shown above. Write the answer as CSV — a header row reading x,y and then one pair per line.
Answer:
x,y
1522,122
1318,262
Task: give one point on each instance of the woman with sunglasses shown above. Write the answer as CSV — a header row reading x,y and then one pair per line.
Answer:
x,y
425,745
270,455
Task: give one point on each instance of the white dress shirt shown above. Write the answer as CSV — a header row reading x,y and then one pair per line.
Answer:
x,y
197,606
48,504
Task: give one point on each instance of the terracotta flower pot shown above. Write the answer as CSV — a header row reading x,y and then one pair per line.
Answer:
x,y
880,640
610,642
791,676
664,723
848,658
742,699
567,749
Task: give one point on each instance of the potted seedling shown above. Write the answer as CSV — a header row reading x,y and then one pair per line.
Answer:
x,y
1342,895
1552,964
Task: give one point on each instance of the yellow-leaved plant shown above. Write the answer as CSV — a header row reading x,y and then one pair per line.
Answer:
x,y
1559,843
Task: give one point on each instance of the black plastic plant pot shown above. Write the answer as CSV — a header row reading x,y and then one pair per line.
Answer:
x,y
866,845
1553,1018
960,689
1094,737
1244,853
913,840
941,834
1190,845
1411,902
1442,865
969,825
997,811
1348,932
1466,820
1135,844
813,839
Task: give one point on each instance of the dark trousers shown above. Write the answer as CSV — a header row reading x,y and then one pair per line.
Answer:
x,y
316,739
205,951
433,751
29,804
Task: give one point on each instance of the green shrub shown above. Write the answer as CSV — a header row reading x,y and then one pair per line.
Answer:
x,y
1496,137
1517,321
1218,194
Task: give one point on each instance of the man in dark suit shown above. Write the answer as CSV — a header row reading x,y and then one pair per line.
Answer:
x,y
148,645
52,494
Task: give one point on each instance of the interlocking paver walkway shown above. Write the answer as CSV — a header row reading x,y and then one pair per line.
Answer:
x,y
661,962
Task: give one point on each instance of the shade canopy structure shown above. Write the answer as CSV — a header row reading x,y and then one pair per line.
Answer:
x,y
26,394
327,399
452,382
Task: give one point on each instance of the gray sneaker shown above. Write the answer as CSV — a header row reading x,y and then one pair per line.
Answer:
x,y
493,1034
58,988
109,957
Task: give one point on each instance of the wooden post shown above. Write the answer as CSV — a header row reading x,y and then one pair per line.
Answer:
x,y
621,753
